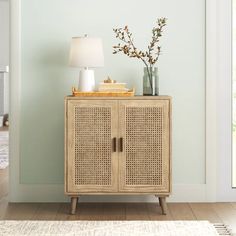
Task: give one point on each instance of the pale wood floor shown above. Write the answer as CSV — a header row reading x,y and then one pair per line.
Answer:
x,y
4,175
4,128
213,212
3,183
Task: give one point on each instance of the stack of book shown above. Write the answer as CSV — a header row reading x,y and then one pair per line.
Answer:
x,y
112,87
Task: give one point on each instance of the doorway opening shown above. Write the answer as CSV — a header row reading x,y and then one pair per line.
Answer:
x,y
4,98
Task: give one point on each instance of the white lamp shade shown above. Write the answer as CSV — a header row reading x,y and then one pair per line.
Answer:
x,y
86,52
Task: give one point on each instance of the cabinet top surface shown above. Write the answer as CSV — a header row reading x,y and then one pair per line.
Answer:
x,y
162,97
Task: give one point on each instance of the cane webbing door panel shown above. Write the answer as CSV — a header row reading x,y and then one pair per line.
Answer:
x,y
91,162
144,157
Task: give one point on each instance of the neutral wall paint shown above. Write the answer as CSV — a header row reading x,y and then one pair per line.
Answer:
x,y
4,32
47,27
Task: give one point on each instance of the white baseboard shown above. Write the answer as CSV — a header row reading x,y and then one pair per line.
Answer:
x,y
55,193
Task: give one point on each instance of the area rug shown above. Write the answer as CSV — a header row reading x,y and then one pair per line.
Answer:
x,y
4,156
111,228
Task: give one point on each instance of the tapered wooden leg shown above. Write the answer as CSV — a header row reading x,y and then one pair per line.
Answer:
x,y
162,202
74,201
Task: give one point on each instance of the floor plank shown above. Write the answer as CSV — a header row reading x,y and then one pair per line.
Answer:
x,y
90,211
155,213
114,211
46,211
233,204
181,211
4,182
21,211
205,211
4,128
136,211
63,212
3,208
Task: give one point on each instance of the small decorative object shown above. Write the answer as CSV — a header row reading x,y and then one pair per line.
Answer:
x,y
86,52
148,57
110,85
109,81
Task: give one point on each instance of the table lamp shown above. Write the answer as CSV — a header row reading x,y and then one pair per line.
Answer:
x,y
86,53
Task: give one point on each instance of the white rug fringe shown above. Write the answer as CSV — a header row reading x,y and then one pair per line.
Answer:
x,y
222,229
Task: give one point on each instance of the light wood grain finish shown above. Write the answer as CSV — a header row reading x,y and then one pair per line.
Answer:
x,y
46,211
136,211
163,97
205,211
3,208
162,202
113,211
145,160
63,212
4,176
118,146
77,93
21,211
4,128
234,205
91,162
74,201
155,212
181,211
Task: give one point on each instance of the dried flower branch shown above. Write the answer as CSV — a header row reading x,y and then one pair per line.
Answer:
x,y
148,57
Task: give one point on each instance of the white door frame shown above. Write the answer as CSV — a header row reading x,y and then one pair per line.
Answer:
x,y
15,82
218,105
224,102
219,101
211,61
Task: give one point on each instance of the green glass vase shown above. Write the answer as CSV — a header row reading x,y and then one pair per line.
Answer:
x,y
150,81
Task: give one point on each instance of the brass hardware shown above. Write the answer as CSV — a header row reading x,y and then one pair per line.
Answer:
x,y
109,81
114,144
121,144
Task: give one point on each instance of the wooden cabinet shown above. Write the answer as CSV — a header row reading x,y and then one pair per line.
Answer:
x,y
118,146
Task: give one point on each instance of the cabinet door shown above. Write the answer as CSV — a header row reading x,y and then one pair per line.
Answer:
x,y
91,161
144,145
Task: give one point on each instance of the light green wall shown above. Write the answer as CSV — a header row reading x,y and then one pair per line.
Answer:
x,y
47,27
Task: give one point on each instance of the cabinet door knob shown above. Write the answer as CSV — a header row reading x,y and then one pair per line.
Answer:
x,y
114,144
121,144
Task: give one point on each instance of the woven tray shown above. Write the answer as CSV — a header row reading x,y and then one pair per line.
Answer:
x,y
77,93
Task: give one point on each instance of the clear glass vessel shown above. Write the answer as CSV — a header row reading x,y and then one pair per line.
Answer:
x,y
150,81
